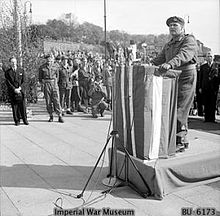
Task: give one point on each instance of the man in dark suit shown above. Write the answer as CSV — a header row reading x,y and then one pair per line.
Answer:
x,y
209,84
15,79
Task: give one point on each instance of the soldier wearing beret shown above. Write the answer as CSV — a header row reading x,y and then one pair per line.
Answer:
x,y
180,53
48,77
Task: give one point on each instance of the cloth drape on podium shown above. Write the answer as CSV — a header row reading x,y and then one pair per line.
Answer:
x,y
145,111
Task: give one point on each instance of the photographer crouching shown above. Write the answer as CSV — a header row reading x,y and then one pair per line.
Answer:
x,y
97,98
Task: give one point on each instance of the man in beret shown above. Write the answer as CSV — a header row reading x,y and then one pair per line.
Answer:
x,y
48,77
180,53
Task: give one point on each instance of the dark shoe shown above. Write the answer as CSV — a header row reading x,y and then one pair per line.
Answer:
x,y
180,148
95,116
50,119
69,112
102,113
63,114
17,123
60,119
186,145
26,122
80,109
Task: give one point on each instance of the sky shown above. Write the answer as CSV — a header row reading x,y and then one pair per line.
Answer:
x,y
138,16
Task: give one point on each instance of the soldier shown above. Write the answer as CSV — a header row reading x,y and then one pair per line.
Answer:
x,y
75,93
65,84
97,95
84,77
107,81
48,77
180,53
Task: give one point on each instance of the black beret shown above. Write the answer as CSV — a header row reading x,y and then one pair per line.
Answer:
x,y
175,19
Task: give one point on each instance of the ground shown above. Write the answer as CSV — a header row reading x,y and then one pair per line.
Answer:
x,y
48,164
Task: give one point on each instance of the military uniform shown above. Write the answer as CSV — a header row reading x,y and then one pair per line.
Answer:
x,y
181,54
48,76
65,86
97,95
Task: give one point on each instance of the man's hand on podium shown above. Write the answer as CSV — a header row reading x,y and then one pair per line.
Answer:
x,y
164,68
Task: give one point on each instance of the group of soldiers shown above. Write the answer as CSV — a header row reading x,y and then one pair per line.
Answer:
x,y
73,83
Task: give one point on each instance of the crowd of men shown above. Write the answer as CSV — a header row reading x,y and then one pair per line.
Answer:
x,y
73,81
73,76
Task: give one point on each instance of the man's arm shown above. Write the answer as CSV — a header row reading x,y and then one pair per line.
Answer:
x,y
8,81
186,53
160,59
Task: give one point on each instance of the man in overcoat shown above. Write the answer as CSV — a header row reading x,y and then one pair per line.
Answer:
x,y
15,80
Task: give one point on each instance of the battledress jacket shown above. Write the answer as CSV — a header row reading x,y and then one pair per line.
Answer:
x,y
180,53
49,73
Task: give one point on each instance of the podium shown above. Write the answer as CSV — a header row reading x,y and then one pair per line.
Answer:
x,y
145,111
144,115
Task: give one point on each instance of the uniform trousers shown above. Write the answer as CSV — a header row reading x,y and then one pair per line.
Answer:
x,y
51,94
186,92
99,108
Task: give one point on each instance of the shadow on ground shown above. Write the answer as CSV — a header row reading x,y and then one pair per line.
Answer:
x,y
200,125
58,177
55,176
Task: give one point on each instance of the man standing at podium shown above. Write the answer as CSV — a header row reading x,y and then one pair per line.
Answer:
x,y
180,53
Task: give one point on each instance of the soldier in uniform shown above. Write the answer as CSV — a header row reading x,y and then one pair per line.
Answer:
x,y
48,77
97,95
65,84
84,77
180,53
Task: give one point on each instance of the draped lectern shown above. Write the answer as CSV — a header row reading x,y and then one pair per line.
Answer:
x,y
145,111
144,117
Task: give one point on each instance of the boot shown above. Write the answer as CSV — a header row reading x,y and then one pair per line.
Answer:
x,y
60,119
102,112
50,119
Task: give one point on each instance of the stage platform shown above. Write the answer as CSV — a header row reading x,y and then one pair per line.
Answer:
x,y
198,165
